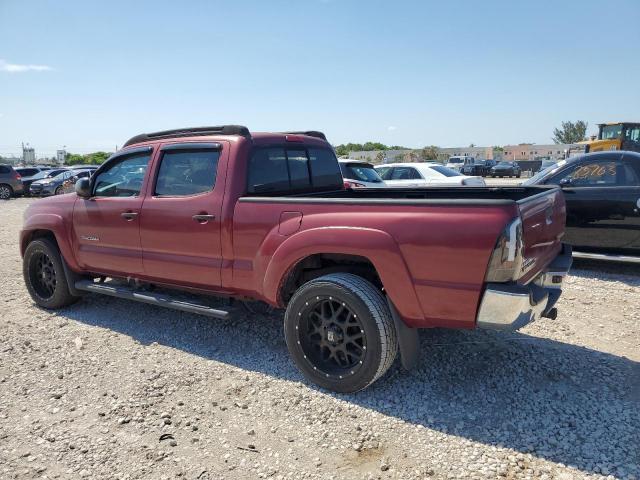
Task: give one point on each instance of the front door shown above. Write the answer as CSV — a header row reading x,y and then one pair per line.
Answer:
x,y
601,208
106,226
180,220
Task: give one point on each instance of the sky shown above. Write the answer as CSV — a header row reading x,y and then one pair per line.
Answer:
x,y
88,75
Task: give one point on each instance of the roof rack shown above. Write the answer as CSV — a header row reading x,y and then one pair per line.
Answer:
x,y
309,133
190,132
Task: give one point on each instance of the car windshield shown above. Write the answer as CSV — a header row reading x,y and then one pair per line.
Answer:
x,y
505,164
48,174
360,171
542,174
445,171
456,160
64,174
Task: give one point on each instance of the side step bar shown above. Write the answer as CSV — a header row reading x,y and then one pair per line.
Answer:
x,y
606,257
150,298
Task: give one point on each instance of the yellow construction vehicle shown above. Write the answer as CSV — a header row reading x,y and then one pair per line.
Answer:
x,y
611,136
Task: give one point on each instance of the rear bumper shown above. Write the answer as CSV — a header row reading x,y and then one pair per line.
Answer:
x,y
509,306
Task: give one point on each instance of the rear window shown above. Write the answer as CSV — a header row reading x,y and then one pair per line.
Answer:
x,y
281,170
447,172
360,171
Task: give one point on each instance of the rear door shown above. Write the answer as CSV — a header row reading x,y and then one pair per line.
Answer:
x,y
180,221
405,177
601,196
106,226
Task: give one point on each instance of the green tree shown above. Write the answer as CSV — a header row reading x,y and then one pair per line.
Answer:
x,y
429,153
571,132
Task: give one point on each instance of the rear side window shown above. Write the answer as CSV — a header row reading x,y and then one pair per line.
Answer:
x,y
187,172
4,169
280,170
405,173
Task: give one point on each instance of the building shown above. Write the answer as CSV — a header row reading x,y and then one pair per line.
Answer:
x,y
532,151
61,156
481,153
28,155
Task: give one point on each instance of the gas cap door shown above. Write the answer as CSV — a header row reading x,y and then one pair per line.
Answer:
x,y
289,223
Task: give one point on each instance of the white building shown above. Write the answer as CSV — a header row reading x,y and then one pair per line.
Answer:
x,y
61,156
28,156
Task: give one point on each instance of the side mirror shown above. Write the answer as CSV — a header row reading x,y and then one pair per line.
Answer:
x,y
83,188
565,182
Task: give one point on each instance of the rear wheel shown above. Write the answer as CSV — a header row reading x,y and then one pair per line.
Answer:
x,y
44,275
340,332
6,192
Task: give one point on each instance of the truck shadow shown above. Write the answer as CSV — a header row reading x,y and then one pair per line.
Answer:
x,y
561,402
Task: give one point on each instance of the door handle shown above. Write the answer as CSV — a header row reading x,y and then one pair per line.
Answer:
x,y
203,217
128,216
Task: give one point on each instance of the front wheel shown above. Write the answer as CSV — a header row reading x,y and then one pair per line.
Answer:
x,y
59,190
44,275
6,192
340,333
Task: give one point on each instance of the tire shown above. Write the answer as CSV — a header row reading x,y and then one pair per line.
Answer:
x,y
350,303
6,192
58,190
44,275
518,176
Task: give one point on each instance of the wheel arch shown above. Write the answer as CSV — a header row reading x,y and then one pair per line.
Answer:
x,y
374,253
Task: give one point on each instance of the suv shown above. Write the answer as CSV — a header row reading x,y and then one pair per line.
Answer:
x,y
10,182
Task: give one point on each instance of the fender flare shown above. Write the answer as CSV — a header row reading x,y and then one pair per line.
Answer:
x,y
55,224
377,246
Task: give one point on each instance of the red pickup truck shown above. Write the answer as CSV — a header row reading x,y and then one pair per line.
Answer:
x,y
223,212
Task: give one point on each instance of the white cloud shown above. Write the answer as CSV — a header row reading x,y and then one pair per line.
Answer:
x,y
16,68
392,128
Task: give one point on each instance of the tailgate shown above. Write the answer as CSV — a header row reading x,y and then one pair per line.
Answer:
x,y
543,220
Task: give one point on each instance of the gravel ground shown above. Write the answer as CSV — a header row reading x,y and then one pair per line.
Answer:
x,y
113,389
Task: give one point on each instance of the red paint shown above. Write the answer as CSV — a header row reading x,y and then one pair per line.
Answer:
x,y
432,259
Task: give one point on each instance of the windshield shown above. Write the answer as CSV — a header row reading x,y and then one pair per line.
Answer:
x,y
360,171
611,131
505,164
48,174
447,172
543,173
455,160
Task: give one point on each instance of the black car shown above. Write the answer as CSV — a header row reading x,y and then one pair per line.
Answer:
x,y
602,191
28,174
506,169
478,168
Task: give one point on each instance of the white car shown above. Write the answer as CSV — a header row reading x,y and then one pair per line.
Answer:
x,y
360,175
409,175
456,162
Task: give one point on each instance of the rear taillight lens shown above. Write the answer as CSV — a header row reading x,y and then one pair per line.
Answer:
x,y
349,184
17,175
506,260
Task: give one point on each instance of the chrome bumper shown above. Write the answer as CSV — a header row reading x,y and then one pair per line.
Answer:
x,y
509,306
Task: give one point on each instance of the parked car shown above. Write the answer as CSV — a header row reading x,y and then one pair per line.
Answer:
x,y
10,182
29,174
456,162
411,175
506,169
602,192
477,167
223,211
57,184
360,175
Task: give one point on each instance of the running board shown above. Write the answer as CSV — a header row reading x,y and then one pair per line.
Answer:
x,y
606,257
150,298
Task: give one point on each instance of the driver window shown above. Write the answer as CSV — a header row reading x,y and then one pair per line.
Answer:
x,y
187,172
123,177
404,173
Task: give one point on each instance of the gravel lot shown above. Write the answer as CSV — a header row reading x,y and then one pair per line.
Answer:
x,y
113,389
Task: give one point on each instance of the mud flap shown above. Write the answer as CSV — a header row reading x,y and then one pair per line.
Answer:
x,y
408,340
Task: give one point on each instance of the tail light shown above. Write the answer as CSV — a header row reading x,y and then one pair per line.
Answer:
x,y
17,175
350,184
506,260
